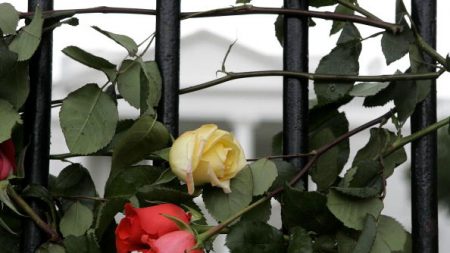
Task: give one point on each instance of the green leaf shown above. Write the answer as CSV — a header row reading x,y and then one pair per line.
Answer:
x,y
367,89
326,124
447,62
400,11
320,3
380,246
349,34
367,236
286,171
105,213
380,140
129,82
342,60
345,242
339,25
4,197
222,205
165,177
326,169
307,210
41,193
299,241
262,213
28,39
9,18
81,244
243,1
14,86
395,46
131,179
9,119
74,180
352,211
254,237
122,40
145,136
324,243
151,84
157,194
418,65
76,220
279,26
51,248
88,119
392,233
7,61
91,60
362,174
405,99
264,173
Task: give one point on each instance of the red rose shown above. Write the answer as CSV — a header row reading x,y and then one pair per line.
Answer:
x,y
143,224
174,242
7,159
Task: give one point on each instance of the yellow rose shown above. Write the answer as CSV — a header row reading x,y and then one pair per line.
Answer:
x,y
206,155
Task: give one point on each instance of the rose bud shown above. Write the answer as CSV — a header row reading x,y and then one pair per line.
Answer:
x,y
148,222
7,159
174,242
206,155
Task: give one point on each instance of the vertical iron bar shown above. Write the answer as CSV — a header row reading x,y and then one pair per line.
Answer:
x,y
168,59
424,164
37,126
295,90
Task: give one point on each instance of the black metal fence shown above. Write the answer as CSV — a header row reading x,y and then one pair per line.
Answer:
x,y
295,115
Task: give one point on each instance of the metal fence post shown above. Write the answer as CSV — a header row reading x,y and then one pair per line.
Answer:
x,y
37,126
295,90
168,59
424,155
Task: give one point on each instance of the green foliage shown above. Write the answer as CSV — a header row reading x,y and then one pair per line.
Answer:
x,y
88,119
91,60
14,86
367,236
122,40
342,60
28,39
85,243
326,124
9,18
150,92
73,181
262,213
51,248
395,46
308,210
222,205
367,89
264,173
129,82
353,211
9,119
300,241
339,25
255,237
7,61
379,142
140,140
128,181
76,220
